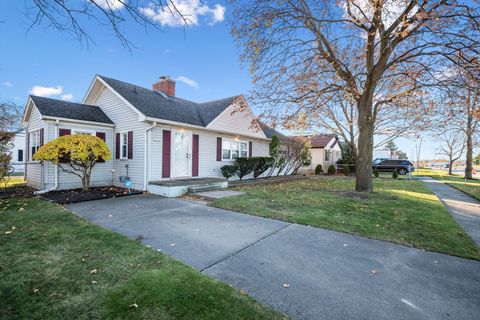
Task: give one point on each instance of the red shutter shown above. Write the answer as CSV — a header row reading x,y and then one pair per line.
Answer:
x,y
130,145
219,149
42,136
166,150
117,146
250,152
195,156
64,132
100,135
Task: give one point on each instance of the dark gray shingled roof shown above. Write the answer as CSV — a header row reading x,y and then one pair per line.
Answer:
x,y
70,110
270,132
156,105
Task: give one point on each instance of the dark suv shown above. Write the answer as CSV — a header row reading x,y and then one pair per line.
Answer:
x,y
390,165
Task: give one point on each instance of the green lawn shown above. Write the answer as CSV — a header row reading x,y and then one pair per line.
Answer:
x,y
472,187
47,262
399,211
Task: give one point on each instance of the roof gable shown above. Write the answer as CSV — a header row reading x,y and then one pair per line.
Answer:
x,y
322,140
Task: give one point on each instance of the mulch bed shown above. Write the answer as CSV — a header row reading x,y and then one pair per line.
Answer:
x,y
94,193
20,191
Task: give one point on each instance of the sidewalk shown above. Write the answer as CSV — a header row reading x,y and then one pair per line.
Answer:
x,y
464,209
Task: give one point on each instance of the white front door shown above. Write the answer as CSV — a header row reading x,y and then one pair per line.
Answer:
x,y
182,157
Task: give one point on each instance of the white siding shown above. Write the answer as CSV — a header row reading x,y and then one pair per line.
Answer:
x,y
208,166
102,172
237,122
34,168
125,119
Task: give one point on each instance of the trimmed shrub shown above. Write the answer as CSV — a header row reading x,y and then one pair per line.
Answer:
x,y
229,171
376,173
261,165
395,174
346,170
318,169
331,170
245,166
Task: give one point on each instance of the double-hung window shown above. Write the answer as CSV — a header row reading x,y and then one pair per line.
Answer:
x,y
123,145
327,155
34,142
79,131
232,149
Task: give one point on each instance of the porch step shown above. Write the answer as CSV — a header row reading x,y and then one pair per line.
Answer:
x,y
205,187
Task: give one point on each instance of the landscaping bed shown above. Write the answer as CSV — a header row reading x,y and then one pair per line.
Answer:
x,y
400,211
56,265
94,193
19,191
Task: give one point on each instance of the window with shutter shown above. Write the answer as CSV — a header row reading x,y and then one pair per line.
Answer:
x,y
117,146
166,150
130,144
195,149
101,135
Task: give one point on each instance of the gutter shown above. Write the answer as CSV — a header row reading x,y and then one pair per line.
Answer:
x,y
55,186
145,164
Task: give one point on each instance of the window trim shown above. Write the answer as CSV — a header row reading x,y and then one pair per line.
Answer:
x,y
35,142
123,140
239,142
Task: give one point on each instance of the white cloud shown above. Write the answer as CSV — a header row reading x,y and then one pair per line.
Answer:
x,y
67,97
111,4
188,81
191,10
7,84
46,91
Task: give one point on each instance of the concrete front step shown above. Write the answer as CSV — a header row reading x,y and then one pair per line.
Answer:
x,y
207,187
178,187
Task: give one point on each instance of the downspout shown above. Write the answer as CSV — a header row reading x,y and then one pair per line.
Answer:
x,y
145,164
55,186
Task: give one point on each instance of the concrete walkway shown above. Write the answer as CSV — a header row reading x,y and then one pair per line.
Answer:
x,y
464,209
305,272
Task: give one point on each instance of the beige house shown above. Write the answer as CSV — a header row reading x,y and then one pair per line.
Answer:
x,y
325,149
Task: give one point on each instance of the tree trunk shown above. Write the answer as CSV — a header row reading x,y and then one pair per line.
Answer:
x,y
86,182
469,160
450,167
363,172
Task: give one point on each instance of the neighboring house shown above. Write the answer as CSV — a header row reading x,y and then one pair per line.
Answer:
x,y
153,135
18,152
325,149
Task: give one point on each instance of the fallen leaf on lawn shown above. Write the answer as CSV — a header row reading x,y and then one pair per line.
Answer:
x,y
286,285
374,271
8,232
21,209
93,271
94,282
243,292
13,228
133,305
173,244
83,259
35,291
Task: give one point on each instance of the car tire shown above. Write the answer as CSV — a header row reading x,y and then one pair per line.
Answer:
x,y
402,171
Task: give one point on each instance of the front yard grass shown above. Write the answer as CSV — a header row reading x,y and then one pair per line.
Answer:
x,y
471,187
400,211
55,265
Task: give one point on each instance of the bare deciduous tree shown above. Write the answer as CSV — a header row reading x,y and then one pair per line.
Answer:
x,y
452,146
9,116
306,49
74,16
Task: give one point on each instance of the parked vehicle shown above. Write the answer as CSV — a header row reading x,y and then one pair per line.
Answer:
x,y
390,165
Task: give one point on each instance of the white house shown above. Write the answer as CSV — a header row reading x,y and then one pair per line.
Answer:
x,y
18,152
325,150
154,136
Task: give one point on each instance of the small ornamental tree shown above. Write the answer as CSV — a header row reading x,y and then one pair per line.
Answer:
x,y
76,154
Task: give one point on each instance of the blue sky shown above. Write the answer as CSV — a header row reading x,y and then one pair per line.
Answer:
x,y
204,56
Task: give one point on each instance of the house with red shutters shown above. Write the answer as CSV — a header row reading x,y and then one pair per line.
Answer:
x,y
156,138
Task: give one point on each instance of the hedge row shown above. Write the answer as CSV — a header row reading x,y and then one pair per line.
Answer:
x,y
244,166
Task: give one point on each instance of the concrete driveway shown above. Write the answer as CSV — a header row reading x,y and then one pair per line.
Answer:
x,y
306,272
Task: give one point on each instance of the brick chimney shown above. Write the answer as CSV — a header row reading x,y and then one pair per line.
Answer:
x,y
165,85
